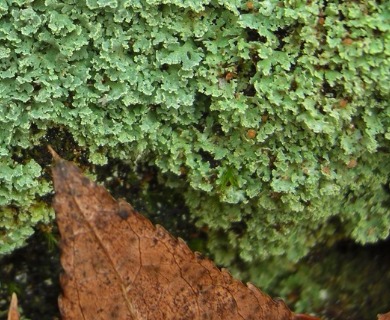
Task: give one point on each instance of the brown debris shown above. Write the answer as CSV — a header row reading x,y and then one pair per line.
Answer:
x,y
117,265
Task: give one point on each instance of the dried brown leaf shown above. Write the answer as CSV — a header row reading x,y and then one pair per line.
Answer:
x,y
13,313
385,316
117,265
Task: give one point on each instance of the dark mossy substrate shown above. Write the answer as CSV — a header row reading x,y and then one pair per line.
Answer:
x,y
354,281
33,273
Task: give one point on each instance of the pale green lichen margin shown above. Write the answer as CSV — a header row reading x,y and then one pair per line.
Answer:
x,y
180,83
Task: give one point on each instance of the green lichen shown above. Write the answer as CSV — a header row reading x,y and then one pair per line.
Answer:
x,y
179,84
19,209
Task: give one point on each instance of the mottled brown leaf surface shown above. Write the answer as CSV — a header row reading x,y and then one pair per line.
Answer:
x,y
385,316
117,265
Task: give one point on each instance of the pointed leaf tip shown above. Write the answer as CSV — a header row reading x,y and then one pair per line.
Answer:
x,y
13,313
54,154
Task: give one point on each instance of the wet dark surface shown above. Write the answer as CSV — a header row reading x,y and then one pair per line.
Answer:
x,y
347,281
33,273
